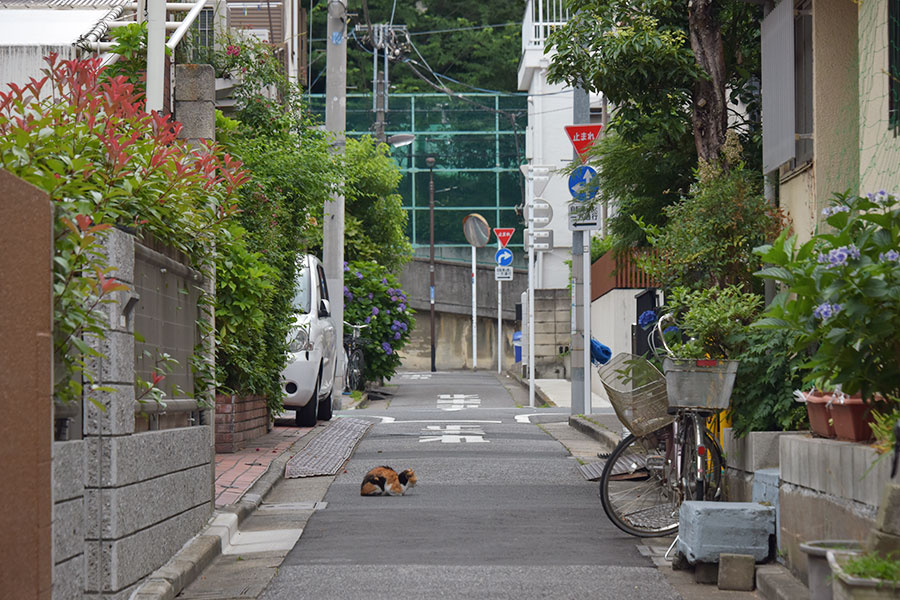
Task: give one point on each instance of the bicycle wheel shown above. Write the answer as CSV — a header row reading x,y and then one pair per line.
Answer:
x,y
356,367
701,473
637,490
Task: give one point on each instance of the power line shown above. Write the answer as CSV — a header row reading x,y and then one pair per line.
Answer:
x,y
463,29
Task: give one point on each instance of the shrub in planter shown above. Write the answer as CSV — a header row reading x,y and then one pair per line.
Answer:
x,y
841,295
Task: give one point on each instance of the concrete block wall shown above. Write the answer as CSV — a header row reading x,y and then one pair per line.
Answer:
x,y
553,333
239,420
68,519
126,501
829,490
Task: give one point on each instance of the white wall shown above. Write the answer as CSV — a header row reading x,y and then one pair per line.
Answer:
x,y
611,317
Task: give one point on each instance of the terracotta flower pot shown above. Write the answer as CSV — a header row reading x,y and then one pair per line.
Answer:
x,y
820,418
852,418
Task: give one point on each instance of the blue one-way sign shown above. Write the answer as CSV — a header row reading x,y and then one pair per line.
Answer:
x,y
504,257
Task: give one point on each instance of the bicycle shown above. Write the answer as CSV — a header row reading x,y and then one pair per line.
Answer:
x,y
355,367
669,457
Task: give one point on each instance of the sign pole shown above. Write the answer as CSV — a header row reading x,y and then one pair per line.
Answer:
x,y
530,200
586,302
499,326
474,313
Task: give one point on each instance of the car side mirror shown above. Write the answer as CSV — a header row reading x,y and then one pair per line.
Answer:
x,y
324,308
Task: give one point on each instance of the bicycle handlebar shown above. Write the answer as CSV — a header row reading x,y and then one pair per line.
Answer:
x,y
356,326
659,330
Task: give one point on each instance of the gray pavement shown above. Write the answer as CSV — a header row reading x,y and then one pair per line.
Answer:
x,y
509,517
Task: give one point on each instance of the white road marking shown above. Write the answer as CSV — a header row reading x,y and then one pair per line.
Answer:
x,y
527,418
457,402
454,434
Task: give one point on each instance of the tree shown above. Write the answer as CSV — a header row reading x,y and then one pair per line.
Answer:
x,y
476,43
662,64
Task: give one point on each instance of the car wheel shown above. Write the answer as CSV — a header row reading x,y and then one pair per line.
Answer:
x,y
306,415
325,409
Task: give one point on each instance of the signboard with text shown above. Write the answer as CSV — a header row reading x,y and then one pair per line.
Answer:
x,y
582,137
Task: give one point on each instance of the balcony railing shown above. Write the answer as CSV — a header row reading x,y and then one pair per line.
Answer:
x,y
619,270
542,17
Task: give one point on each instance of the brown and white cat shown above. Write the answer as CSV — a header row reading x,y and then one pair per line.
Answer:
x,y
384,481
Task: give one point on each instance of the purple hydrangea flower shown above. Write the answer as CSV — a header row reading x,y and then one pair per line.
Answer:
x,y
393,298
826,310
371,295
384,280
889,256
397,336
346,266
401,308
368,319
827,212
359,275
375,310
387,348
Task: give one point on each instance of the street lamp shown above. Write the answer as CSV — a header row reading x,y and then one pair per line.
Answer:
x,y
429,160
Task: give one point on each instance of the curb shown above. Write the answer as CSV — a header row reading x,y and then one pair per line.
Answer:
x,y
775,582
200,551
538,392
591,429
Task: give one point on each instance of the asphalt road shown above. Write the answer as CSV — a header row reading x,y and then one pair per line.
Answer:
x,y
501,510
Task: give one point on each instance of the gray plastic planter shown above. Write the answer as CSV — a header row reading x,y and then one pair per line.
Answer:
x,y
819,570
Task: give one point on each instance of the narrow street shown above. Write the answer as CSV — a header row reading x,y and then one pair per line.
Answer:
x,y
500,511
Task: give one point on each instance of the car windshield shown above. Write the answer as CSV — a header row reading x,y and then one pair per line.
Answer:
x,y
301,292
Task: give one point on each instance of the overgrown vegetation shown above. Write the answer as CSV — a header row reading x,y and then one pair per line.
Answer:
x,y
87,141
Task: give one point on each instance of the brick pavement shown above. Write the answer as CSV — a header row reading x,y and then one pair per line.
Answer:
x,y
237,471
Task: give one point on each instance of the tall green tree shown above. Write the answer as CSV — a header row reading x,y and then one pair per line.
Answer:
x,y
675,77
476,43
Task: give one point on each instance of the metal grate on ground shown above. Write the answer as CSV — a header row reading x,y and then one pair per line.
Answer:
x,y
325,454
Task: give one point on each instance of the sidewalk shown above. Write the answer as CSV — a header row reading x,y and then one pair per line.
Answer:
x,y
236,472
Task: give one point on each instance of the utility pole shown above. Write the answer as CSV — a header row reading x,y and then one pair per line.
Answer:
x,y
156,54
579,347
336,123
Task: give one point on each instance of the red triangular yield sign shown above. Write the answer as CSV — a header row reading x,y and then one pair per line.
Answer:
x,y
504,234
582,137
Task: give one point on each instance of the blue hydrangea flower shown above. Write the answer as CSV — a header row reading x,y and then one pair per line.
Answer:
x,y
826,310
827,212
647,318
359,275
375,310
397,336
889,256
387,348
368,319
670,329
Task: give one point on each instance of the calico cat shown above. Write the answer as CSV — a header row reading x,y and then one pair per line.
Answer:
x,y
384,481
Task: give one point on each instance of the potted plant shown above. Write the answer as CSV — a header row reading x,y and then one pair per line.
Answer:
x,y
864,576
711,327
819,574
840,294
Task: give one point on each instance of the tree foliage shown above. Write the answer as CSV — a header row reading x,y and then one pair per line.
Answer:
x,y
84,137
639,55
456,39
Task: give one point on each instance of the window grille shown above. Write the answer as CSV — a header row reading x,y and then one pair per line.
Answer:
x,y
803,83
203,31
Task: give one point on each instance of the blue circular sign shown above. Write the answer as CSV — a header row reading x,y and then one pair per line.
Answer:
x,y
504,257
580,183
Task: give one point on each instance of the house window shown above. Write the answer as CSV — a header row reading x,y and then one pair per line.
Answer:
x,y
803,83
894,66
203,31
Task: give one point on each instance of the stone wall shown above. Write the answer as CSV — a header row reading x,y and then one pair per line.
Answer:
x,y
239,420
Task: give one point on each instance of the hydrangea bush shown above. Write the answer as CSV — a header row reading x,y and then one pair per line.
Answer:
x,y
842,294
372,295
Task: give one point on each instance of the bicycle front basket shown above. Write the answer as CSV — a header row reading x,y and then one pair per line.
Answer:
x,y
637,392
700,384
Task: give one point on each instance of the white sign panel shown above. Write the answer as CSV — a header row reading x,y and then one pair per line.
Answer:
x,y
580,222
503,273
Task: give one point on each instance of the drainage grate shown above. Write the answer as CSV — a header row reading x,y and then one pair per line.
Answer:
x,y
294,506
325,454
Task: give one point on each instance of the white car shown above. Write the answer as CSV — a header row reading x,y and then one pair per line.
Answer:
x,y
308,378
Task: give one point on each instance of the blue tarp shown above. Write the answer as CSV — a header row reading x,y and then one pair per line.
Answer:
x,y
600,354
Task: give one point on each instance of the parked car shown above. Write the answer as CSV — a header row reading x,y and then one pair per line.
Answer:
x,y
308,378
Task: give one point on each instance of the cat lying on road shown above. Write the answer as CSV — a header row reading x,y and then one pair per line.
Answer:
x,y
384,481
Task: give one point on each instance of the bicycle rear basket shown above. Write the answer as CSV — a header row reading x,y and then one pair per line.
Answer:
x,y
637,391
700,384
